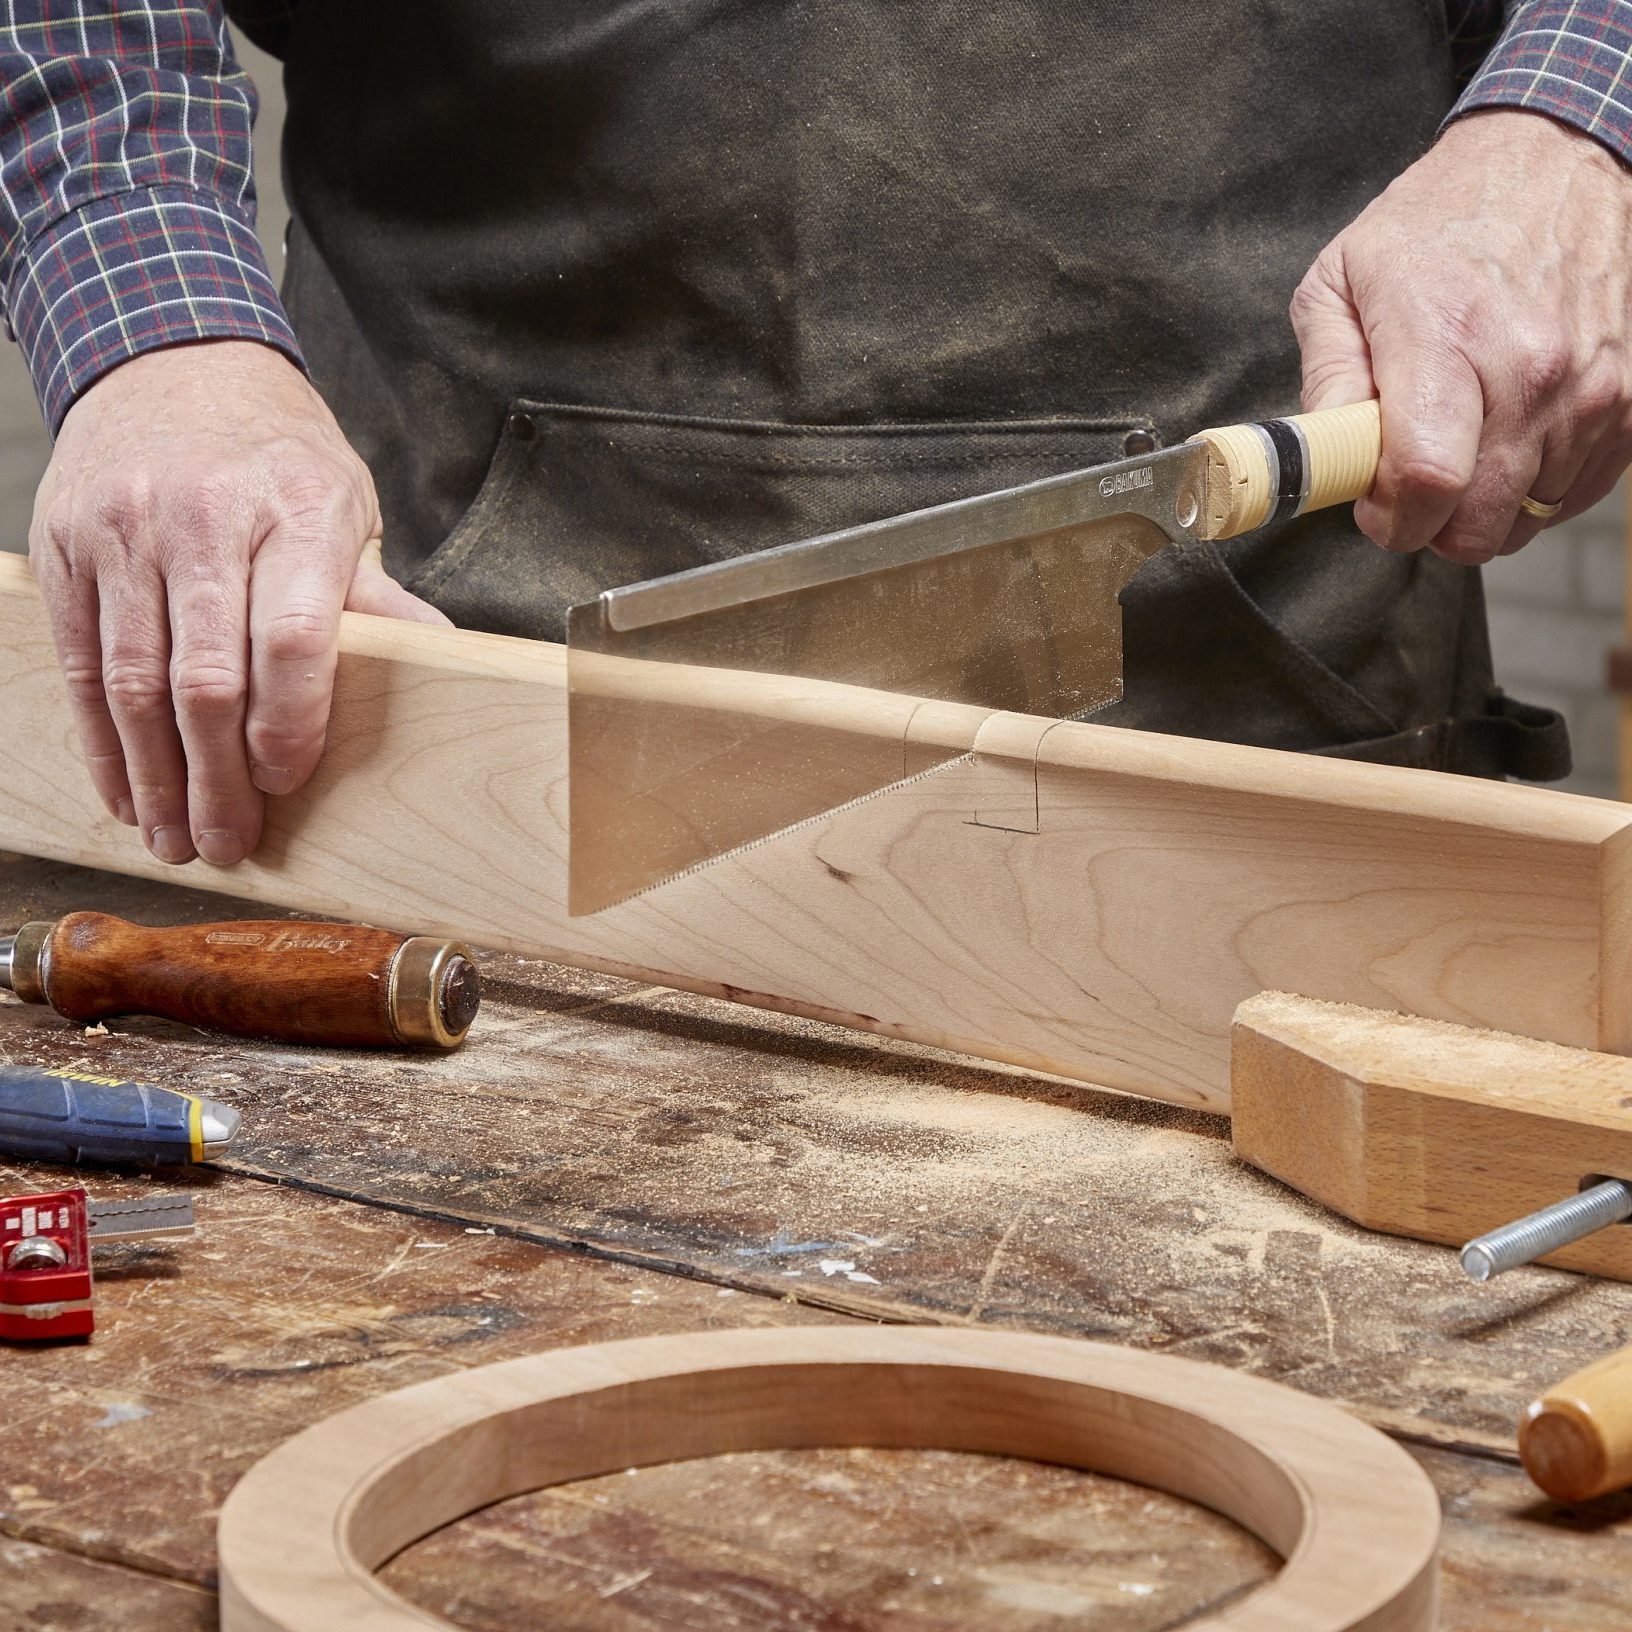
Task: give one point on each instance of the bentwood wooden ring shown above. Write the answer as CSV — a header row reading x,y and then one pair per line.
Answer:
x,y
1354,1518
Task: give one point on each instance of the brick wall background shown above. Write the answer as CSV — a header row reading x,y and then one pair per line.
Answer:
x,y
1555,611
1555,608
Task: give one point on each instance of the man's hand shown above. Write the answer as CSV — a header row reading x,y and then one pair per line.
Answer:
x,y
201,525
1486,299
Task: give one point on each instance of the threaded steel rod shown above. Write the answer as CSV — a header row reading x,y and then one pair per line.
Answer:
x,y
1527,1239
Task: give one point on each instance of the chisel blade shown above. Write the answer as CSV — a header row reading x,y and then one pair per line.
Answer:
x,y
717,707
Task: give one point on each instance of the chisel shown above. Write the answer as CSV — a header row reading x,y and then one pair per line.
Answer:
x,y
63,1114
1576,1440
341,984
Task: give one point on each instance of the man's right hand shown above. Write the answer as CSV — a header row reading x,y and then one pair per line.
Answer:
x,y
201,525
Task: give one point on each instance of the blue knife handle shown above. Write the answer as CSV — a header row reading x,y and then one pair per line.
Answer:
x,y
52,1114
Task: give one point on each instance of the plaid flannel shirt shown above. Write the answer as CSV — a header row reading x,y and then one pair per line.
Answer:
x,y
127,199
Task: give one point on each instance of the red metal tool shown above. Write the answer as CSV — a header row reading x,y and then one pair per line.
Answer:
x,y
45,1255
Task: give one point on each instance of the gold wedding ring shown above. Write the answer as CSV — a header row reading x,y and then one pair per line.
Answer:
x,y
1539,508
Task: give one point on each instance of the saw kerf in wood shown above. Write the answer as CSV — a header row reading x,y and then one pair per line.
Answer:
x,y
1069,898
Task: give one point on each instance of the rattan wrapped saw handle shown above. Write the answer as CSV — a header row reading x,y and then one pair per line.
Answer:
x,y
1282,467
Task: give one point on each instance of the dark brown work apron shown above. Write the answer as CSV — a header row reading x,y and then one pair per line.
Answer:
x,y
602,289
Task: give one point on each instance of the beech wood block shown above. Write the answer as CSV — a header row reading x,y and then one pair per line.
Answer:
x,y
1424,1129
1576,1440
1069,898
1353,1516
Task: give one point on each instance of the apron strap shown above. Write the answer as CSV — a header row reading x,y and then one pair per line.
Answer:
x,y
1510,739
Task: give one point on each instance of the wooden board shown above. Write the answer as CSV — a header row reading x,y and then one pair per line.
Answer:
x,y
835,1539
283,1308
289,1306
1070,898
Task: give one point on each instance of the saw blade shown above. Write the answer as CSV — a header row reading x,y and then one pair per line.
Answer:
x,y
717,707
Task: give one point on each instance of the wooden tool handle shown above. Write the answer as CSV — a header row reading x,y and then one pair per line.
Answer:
x,y
1576,1440
295,982
1282,467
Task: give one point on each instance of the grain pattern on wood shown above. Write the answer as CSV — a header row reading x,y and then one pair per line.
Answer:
x,y
1518,1563
1425,1129
291,1306
1355,1519
1068,898
285,1309
42,1590
835,1541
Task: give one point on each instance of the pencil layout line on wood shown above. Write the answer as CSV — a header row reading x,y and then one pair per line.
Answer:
x,y
1068,898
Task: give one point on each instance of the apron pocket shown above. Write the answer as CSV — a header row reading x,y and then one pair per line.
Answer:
x,y
577,500
1508,738
1204,659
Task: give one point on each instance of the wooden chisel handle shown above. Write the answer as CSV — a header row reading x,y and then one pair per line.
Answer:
x,y
1576,1440
340,984
1283,467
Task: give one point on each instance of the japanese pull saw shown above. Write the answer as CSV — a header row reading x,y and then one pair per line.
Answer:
x,y
718,706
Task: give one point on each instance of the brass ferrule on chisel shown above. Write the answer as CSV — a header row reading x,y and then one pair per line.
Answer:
x,y
22,959
433,994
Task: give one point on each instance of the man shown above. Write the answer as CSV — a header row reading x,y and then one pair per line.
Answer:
x,y
603,288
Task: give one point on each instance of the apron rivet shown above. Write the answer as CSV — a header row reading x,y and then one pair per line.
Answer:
x,y
521,427
1139,441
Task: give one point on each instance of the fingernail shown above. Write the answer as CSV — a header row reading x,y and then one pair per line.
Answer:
x,y
172,844
272,778
125,810
220,848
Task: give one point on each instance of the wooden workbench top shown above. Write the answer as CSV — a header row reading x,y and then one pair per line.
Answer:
x,y
707,1166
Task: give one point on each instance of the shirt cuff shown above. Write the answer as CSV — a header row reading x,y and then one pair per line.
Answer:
x,y
134,272
1571,59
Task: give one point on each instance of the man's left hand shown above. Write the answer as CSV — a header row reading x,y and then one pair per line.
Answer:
x,y
1486,300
